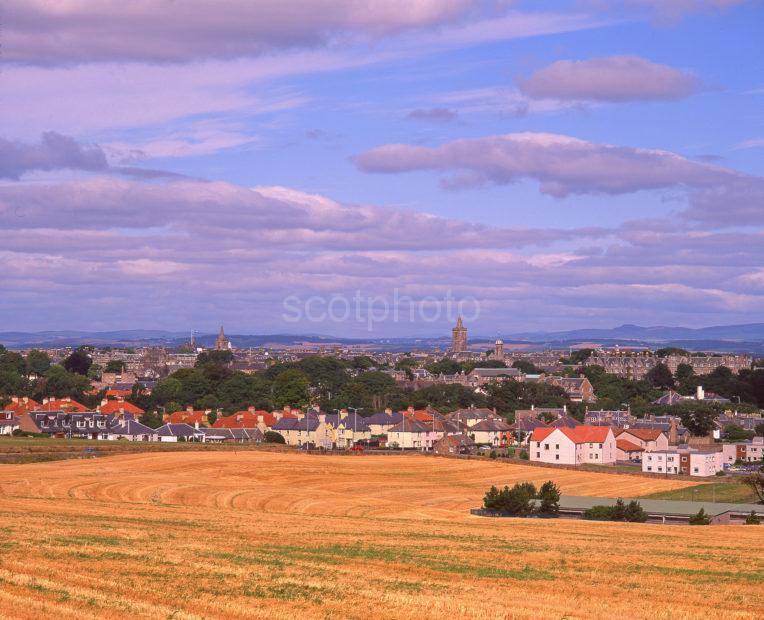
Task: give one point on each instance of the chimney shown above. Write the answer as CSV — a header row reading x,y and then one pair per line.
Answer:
x,y
343,414
196,425
251,409
388,411
104,401
322,418
565,409
260,420
673,437
699,393
190,409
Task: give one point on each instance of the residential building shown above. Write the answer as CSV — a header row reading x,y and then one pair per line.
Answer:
x,y
685,461
416,435
8,422
188,416
622,419
131,430
172,433
461,443
649,439
232,435
492,432
573,446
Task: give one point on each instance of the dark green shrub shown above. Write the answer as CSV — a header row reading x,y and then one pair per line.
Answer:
x,y
599,513
634,512
549,496
752,519
273,437
701,518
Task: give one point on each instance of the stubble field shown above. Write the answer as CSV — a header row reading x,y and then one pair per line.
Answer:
x,y
258,534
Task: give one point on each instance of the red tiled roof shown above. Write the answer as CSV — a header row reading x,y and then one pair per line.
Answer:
x,y
118,393
540,433
579,434
186,417
645,434
628,446
245,419
21,406
62,404
420,415
114,406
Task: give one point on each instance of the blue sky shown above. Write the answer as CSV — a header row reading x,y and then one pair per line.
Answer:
x,y
562,164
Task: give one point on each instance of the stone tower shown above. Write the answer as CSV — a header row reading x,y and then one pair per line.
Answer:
x,y
498,349
459,337
221,342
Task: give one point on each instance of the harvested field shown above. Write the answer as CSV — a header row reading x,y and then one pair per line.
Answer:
x,y
283,535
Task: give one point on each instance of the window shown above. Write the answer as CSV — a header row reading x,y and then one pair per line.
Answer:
x,y
695,470
596,456
600,446
556,446
556,457
538,455
660,468
649,468
546,446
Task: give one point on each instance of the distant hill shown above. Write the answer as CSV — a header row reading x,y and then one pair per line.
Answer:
x,y
733,338
659,334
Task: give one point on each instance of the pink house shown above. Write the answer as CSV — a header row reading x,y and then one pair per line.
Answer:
x,y
573,446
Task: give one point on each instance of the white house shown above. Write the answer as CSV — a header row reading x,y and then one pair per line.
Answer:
x,y
573,446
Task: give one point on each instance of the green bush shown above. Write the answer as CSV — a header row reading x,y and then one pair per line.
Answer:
x,y
524,455
752,519
634,512
599,513
631,512
549,494
516,501
701,518
273,437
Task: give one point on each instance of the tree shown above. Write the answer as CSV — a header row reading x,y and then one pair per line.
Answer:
x,y
38,362
219,358
759,429
273,437
684,372
78,362
152,419
445,366
169,389
752,519
634,512
363,362
94,372
660,376
666,351
59,383
698,419
733,432
527,367
549,494
515,501
700,518
755,482
291,388
116,366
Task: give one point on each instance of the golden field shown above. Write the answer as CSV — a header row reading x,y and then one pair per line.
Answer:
x,y
256,534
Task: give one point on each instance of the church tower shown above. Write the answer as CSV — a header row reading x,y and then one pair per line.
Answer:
x,y
459,337
221,342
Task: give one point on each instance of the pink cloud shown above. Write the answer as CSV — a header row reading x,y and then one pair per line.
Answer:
x,y
615,78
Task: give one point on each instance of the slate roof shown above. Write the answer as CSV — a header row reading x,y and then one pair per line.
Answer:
x,y
565,421
352,420
411,426
491,425
235,434
179,430
131,427
309,423
383,418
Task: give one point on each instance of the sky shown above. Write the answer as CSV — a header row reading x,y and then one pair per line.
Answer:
x,y
372,168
